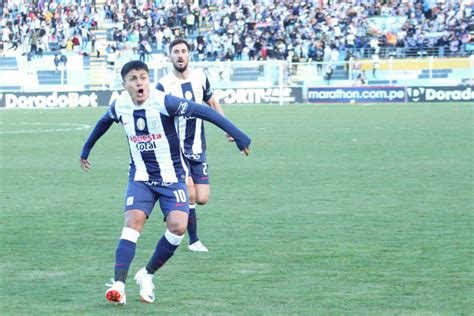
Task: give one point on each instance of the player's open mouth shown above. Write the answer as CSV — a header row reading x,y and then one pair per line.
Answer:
x,y
140,92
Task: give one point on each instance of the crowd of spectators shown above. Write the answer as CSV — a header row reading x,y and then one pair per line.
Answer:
x,y
32,27
320,30
246,30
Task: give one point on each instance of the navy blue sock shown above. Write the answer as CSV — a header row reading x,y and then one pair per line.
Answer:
x,y
192,226
164,250
123,258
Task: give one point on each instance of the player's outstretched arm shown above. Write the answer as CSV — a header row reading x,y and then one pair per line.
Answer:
x,y
212,102
100,128
241,139
181,107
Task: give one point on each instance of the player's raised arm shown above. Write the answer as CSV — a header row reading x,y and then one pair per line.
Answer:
x,y
181,107
102,126
212,102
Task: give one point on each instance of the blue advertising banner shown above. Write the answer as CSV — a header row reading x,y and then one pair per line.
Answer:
x,y
356,94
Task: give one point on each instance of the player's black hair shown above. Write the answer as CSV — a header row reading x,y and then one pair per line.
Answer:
x,y
133,65
177,41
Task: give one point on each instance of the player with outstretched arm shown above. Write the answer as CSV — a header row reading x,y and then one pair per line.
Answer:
x,y
191,84
157,170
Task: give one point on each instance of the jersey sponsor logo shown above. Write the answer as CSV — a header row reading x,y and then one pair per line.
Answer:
x,y
141,124
145,142
144,138
146,146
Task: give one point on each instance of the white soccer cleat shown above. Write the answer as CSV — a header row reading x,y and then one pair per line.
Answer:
x,y
144,280
198,246
116,293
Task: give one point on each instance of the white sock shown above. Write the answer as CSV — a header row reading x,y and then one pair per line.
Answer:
x,y
130,234
173,239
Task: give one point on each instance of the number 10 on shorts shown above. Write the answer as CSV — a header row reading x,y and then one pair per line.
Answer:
x,y
180,196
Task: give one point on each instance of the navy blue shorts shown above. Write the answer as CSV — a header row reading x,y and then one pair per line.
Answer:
x,y
198,171
143,196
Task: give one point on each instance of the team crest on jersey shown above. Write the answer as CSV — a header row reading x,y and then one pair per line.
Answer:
x,y
188,95
141,124
153,123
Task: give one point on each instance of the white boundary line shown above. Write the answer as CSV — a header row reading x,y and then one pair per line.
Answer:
x,y
72,127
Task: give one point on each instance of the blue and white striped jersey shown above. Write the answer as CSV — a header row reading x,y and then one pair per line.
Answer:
x,y
190,129
152,138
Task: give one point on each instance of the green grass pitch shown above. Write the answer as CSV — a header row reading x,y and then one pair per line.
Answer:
x,y
339,209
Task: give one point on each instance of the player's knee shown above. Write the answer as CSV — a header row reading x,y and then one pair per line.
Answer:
x,y
202,197
178,228
135,220
135,225
202,193
201,200
176,222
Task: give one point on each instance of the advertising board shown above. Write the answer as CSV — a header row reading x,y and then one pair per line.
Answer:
x,y
44,100
440,94
356,94
104,97
258,95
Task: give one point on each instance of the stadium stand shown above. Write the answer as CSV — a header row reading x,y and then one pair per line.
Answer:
x,y
106,32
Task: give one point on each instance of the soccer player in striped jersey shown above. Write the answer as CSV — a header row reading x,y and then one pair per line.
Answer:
x,y
157,170
191,84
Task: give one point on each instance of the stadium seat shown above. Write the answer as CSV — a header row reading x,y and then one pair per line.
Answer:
x,y
435,73
50,77
245,74
8,63
339,73
9,88
381,82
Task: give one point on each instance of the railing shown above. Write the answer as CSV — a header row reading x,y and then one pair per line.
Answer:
x,y
41,75
420,51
